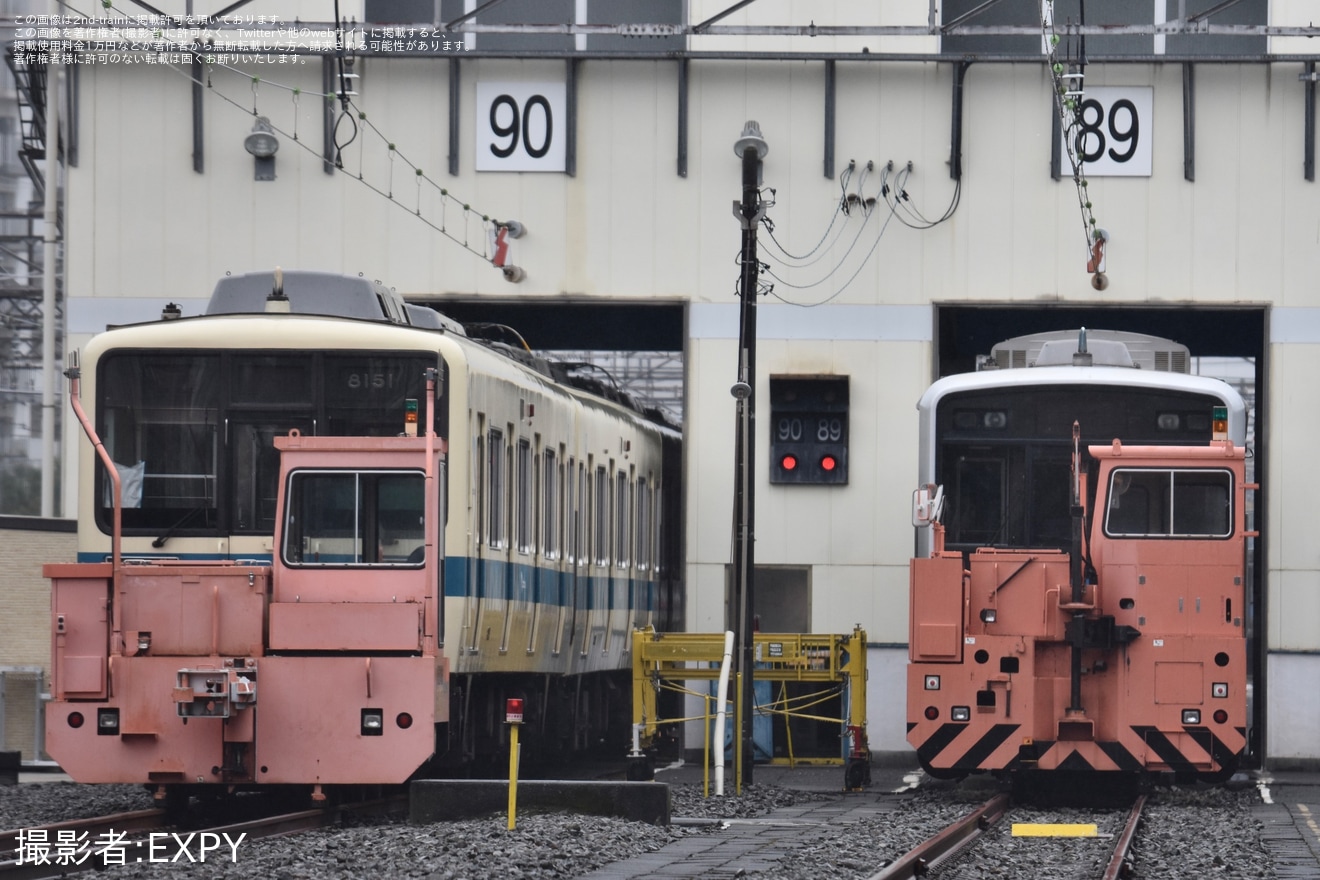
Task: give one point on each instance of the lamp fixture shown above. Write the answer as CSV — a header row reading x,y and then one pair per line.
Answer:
x,y
263,145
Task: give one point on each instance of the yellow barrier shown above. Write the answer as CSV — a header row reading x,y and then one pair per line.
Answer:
x,y
663,661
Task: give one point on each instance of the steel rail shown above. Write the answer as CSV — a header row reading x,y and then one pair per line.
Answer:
x,y
944,844
79,831
137,820
1119,866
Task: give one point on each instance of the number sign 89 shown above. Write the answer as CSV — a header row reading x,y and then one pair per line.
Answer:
x,y
1091,140
1112,132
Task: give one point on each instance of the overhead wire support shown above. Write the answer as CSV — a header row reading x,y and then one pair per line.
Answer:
x,y
1068,96
350,111
360,122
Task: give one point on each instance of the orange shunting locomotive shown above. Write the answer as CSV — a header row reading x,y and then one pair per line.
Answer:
x,y
1125,653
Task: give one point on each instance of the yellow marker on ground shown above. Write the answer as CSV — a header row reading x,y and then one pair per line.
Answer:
x,y
1037,829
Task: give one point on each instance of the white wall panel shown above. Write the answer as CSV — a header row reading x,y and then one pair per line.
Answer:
x,y
1293,603
1291,681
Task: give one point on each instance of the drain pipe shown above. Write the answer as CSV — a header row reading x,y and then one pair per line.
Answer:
x,y
720,714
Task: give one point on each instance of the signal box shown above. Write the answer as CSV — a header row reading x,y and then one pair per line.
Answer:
x,y
809,429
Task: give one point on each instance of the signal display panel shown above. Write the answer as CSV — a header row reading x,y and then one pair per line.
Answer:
x,y
809,430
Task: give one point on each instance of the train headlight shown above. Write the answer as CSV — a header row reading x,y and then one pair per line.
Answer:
x,y
961,713
988,615
1219,690
995,420
1221,716
373,722
107,722
1168,421
932,713
1191,716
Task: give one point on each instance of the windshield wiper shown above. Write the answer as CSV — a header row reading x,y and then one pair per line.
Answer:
x,y
169,533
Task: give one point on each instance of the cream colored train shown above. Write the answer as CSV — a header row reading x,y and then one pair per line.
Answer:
x,y
561,505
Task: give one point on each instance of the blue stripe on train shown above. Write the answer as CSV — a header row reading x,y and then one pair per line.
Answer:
x,y
494,579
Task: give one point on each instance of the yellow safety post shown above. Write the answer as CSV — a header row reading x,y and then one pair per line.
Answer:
x,y
513,716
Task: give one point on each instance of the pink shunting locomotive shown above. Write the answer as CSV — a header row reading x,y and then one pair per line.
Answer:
x,y
320,668
1129,657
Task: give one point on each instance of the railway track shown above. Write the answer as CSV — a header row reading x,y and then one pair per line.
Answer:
x,y
145,836
952,845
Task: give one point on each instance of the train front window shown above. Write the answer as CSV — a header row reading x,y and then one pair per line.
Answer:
x,y
978,514
1004,454
1164,503
191,431
341,518
160,421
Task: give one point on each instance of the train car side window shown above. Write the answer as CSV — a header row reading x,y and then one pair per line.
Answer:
x,y
570,514
585,524
1162,502
522,504
622,518
643,524
550,506
495,488
602,532
350,518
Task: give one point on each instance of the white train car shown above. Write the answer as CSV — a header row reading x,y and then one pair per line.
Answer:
x,y
999,439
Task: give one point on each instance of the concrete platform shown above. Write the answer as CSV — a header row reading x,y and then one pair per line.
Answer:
x,y
445,800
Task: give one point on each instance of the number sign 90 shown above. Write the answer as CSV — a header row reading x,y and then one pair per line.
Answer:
x,y
520,126
1112,137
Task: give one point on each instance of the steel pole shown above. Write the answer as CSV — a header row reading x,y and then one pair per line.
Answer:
x,y
49,264
745,508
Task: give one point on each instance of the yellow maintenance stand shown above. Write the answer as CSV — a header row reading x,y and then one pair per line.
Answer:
x,y
670,661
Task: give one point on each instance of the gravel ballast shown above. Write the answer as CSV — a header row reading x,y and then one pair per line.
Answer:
x,y
1207,832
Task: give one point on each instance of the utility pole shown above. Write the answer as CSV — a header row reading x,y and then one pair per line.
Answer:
x,y
49,276
751,148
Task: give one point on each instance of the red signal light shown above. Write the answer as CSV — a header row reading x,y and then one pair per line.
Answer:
x,y
828,463
1220,716
404,720
788,462
932,713
513,710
